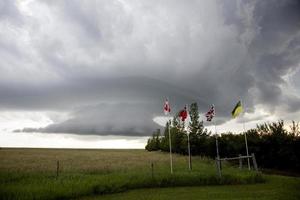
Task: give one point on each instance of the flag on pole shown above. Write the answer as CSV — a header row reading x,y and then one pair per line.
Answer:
x,y
210,114
183,114
167,108
237,110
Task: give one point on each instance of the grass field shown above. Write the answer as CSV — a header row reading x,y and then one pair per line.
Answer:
x,y
31,173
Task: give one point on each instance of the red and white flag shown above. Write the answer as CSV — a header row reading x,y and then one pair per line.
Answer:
x,y
167,108
210,114
183,114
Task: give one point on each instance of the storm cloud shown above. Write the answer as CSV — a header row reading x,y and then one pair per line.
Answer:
x,y
111,64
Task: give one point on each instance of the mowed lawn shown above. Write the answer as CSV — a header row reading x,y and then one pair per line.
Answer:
x,y
32,174
275,188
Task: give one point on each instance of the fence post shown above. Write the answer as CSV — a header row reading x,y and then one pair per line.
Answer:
x,y
152,170
57,169
240,162
218,163
254,162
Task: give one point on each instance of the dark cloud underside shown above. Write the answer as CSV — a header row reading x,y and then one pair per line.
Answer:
x,y
110,64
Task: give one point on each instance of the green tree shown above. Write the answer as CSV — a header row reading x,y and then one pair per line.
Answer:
x,y
198,135
153,144
295,130
164,143
195,126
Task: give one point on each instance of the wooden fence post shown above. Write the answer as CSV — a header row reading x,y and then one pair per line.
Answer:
x,y
57,169
254,162
152,170
240,162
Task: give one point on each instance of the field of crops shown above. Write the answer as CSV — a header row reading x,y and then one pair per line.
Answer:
x,y
32,173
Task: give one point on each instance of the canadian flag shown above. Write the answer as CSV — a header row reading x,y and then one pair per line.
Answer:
x,y
167,108
183,114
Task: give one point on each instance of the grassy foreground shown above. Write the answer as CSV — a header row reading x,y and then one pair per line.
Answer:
x,y
31,173
275,188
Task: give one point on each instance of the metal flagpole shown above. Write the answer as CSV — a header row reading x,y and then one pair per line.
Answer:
x,y
246,143
170,145
189,150
170,142
188,137
217,144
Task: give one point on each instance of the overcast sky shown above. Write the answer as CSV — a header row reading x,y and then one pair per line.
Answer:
x,y
105,67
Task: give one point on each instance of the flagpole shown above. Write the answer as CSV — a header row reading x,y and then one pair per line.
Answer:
x,y
188,137
245,134
189,150
170,142
170,145
217,144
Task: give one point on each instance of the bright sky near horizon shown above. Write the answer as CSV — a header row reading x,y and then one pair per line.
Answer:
x,y
95,74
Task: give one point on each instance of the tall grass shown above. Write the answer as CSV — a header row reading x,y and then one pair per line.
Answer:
x,y
30,174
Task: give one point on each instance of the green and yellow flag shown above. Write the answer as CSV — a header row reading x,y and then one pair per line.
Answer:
x,y
237,110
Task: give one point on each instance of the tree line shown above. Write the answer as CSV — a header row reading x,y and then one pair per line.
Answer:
x,y
273,145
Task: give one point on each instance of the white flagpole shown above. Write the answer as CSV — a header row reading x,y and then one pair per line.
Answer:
x,y
217,144
189,146
245,134
170,144
189,150
246,146
214,122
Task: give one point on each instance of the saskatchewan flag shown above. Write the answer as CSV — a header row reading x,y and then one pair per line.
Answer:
x,y
237,110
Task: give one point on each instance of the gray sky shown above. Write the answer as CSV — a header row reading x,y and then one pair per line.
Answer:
x,y
105,67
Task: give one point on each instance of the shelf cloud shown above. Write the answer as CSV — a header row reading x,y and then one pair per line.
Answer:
x,y
111,64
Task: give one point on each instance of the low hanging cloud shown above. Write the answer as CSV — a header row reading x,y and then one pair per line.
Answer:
x,y
111,64
106,119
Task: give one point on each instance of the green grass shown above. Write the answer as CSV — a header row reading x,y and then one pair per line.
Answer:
x,y
31,173
275,188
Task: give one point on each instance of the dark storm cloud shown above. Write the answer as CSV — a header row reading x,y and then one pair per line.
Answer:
x,y
108,119
110,64
277,47
9,12
141,100
273,51
90,91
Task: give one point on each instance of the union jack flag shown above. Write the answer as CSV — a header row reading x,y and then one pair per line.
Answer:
x,y
210,114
